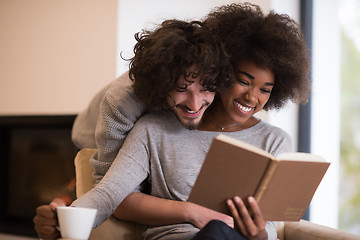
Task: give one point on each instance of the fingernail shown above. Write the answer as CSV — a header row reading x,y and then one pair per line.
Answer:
x,y
237,199
229,202
251,199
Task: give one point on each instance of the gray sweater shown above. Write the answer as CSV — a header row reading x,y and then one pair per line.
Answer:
x,y
162,152
105,123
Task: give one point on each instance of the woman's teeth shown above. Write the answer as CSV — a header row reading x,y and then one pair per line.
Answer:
x,y
243,108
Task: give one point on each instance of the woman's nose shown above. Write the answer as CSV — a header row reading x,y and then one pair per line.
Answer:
x,y
251,95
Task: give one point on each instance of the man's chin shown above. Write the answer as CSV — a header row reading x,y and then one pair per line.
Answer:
x,y
191,125
188,123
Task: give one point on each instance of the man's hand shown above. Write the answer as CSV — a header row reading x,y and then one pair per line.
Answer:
x,y
46,220
251,228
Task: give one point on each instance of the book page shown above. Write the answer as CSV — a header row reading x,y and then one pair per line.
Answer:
x,y
300,156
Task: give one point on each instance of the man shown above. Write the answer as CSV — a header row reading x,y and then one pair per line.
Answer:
x,y
178,61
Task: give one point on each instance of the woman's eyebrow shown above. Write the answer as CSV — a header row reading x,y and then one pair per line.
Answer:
x,y
252,77
246,74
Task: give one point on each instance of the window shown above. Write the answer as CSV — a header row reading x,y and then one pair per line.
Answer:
x,y
349,201
336,112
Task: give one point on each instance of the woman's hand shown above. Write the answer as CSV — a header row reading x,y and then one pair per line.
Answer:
x,y
253,228
199,216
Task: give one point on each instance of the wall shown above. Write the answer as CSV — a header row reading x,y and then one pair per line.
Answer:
x,y
55,55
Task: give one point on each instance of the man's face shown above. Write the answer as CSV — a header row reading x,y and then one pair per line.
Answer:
x,y
190,102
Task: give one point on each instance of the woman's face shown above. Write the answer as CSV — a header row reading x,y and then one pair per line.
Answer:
x,y
249,94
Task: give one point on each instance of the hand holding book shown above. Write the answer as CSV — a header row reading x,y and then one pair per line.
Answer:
x,y
243,221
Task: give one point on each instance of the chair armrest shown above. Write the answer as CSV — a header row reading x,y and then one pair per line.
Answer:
x,y
305,230
112,228
84,171
280,229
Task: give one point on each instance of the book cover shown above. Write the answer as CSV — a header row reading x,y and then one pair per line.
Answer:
x,y
282,186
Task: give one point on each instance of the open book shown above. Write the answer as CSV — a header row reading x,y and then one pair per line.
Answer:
x,y
283,186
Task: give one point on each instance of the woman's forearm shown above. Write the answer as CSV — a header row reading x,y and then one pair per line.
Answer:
x,y
149,210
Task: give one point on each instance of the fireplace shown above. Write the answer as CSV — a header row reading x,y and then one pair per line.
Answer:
x,y
36,165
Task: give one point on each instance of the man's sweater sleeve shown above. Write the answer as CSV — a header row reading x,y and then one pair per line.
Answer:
x,y
120,108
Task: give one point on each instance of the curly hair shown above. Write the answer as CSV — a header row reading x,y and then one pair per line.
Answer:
x,y
273,41
165,54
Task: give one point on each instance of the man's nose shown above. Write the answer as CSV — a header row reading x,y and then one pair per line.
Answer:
x,y
195,101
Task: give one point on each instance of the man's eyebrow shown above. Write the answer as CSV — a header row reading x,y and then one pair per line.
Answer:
x,y
246,74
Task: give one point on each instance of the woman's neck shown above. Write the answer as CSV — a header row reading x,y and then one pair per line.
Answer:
x,y
216,119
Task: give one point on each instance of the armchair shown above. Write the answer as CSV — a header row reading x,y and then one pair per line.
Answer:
x,y
116,229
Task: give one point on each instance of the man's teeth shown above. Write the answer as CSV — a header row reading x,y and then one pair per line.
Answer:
x,y
188,111
243,108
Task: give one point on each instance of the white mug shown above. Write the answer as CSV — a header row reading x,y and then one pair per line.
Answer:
x,y
75,222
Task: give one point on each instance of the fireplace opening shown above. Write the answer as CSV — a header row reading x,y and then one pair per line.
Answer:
x,y
36,165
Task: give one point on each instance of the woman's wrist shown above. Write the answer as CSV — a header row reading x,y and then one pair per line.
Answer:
x,y
188,209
